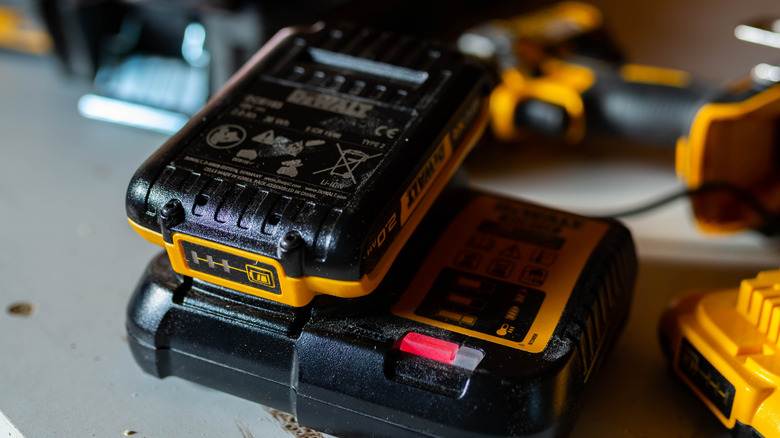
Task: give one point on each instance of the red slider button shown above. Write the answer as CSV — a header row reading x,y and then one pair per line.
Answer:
x,y
432,348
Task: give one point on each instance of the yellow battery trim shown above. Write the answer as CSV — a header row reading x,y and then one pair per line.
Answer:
x,y
724,345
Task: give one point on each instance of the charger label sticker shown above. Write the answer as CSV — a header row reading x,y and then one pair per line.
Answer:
x,y
483,304
502,271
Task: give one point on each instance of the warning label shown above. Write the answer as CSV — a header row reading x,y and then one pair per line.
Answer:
x,y
502,271
300,143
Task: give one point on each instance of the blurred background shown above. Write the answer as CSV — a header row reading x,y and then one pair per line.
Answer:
x,y
69,261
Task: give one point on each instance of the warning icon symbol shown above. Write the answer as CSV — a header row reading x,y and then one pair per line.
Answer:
x,y
290,168
348,161
512,251
225,136
266,137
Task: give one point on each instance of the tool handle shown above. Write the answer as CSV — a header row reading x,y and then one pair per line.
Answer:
x,y
642,111
651,110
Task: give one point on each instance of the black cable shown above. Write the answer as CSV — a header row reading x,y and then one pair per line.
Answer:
x,y
771,222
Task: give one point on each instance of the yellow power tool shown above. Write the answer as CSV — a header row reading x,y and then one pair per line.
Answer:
x,y
18,32
558,78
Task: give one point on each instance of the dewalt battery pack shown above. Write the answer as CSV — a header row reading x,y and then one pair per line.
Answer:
x,y
723,344
306,174
492,322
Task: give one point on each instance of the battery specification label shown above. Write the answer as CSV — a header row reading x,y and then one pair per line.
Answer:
x,y
502,271
299,142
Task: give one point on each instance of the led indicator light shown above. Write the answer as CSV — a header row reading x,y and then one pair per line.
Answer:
x,y
432,348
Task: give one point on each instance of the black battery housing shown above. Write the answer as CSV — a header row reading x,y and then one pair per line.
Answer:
x,y
316,152
337,366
